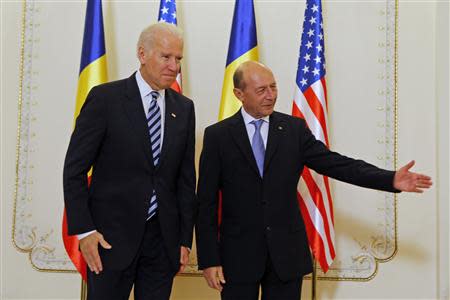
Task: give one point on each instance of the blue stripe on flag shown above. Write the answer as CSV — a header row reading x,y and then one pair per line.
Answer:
x,y
94,38
243,31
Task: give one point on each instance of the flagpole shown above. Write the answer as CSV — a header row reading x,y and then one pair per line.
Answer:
x,y
314,281
83,295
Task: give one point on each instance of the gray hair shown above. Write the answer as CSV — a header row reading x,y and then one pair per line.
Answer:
x,y
152,32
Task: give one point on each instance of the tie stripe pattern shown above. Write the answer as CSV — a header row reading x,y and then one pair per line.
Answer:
x,y
154,127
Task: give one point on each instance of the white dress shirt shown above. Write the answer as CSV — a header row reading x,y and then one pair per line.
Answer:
x,y
251,128
144,90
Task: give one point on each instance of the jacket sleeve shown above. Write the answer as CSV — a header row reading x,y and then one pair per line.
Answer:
x,y
84,146
208,194
354,171
186,185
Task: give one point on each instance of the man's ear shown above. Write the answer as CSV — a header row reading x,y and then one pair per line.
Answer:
x,y
238,93
142,55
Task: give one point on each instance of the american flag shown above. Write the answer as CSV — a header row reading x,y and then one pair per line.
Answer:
x,y
310,103
168,14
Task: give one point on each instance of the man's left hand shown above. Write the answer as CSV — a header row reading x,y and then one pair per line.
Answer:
x,y
407,181
184,258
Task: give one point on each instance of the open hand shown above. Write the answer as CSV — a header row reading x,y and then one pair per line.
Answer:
x,y
407,181
214,277
89,249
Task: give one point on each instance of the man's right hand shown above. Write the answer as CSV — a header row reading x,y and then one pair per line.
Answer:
x,y
214,277
89,249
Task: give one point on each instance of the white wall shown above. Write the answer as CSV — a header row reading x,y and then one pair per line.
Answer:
x,y
443,133
419,270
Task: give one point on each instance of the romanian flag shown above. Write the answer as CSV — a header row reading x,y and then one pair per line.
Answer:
x,y
243,47
168,14
92,73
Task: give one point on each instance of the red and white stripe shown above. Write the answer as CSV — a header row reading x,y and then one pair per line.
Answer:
x,y
176,85
313,189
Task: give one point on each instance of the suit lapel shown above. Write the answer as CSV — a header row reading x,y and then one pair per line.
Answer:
x,y
170,124
240,136
276,129
135,112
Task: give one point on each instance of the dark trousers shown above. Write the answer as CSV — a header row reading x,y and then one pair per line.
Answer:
x,y
271,286
151,272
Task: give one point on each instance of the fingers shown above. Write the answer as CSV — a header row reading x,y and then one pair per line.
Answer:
x,y
421,182
213,278
423,177
104,243
408,165
423,185
220,275
181,269
91,256
89,249
184,258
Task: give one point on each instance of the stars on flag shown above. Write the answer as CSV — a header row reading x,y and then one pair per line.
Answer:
x,y
312,59
168,12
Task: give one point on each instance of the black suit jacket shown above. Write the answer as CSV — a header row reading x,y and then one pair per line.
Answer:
x,y
260,216
111,134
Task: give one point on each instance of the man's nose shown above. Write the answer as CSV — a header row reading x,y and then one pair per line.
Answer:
x,y
173,64
270,94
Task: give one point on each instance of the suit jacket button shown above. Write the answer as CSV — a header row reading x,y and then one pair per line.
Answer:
x,y
268,228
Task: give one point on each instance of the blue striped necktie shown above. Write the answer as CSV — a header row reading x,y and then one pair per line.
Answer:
x,y
154,127
258,148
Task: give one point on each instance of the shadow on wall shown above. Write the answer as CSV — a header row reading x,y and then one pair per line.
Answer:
x,y
407,251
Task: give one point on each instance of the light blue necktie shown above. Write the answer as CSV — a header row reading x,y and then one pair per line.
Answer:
x,y
258,145
154,127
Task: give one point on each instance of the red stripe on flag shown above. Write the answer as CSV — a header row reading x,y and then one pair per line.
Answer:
x,y
296,112
315,241
318,200
317,109
324,86
330,203
176,87
71,244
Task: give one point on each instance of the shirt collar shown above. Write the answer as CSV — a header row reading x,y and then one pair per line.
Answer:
x,y
144,88
248,118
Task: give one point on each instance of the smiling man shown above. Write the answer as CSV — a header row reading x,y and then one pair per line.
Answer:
x,y
255,158
135,220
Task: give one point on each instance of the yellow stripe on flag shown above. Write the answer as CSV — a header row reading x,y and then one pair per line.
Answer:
x,y
229,104
94,74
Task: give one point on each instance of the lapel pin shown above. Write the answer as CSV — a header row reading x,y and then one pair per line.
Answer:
x,y
173,115
280,127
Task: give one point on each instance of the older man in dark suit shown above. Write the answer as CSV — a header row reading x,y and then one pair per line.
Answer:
x,y
135,220
255,158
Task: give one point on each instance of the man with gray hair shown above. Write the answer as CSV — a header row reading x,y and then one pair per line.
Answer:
x,y
135,219
255,159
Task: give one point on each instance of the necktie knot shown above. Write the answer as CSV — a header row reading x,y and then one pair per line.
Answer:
x,y
154,95
257,124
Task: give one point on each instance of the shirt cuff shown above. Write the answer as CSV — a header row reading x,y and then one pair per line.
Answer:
x,y
83,235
